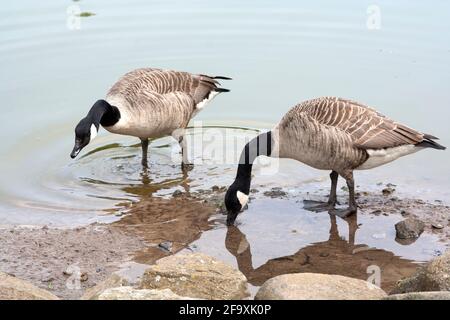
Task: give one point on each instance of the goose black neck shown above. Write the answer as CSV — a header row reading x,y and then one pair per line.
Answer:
x,y
258,146
103,113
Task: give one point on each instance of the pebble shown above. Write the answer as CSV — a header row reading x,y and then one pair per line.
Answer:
x,y
437,225
390,185
84,277
404,213
165,246
275,192
387,191
67,272
177,193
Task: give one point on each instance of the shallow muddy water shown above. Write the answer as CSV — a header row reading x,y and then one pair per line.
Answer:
x,y
55,65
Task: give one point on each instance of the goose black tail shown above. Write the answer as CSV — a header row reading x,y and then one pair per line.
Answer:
x,y
222,78
221,90
429,143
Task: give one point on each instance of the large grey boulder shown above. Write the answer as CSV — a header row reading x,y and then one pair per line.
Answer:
x,y
129,293
12,288
435,276
430,295
196,275
409,228
316,286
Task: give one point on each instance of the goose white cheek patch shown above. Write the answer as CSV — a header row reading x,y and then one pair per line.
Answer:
x,y
93,132
243,198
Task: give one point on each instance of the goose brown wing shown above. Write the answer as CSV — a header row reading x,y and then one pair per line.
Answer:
x,y
367,128
145,80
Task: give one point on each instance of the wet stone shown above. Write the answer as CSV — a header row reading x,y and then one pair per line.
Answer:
x,y
177,193
405,213
165,246
275,193
84,277
390,185
409,228
387,191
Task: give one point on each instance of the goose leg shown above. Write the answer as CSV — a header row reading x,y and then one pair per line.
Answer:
x,y
352,207
144,144
185,165
334,180
319,206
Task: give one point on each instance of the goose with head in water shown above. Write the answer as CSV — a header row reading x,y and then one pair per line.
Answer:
x,y
149,103
329,134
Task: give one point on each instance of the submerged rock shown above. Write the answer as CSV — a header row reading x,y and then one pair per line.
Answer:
x,y
435,276
316,286
275,193
129,293
409,228
196,275
12,288
430,295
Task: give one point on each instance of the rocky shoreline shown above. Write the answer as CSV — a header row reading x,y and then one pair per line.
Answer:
x,y
196,276
122,260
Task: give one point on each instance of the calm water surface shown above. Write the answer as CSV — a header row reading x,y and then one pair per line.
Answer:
x,y
278,52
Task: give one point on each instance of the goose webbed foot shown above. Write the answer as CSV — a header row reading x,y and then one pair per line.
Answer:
x,y
352,207
318,206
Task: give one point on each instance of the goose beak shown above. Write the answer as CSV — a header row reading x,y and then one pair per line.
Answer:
x,y
76,150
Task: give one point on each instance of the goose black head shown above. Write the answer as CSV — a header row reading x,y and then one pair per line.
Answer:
x,y
85,132
235,201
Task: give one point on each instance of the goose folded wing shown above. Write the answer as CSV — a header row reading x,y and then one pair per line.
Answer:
x,y
371,130
167,81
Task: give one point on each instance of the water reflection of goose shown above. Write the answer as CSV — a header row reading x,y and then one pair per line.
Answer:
x,y
148,187
329,134
334,256
177,220
149,103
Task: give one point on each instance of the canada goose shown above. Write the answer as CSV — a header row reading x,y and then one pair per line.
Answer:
x,y
149,103
330,134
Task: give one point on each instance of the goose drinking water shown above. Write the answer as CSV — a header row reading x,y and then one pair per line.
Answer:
x,y
330,134
149,103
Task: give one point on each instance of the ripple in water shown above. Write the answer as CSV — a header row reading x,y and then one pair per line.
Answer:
x,y
107,177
